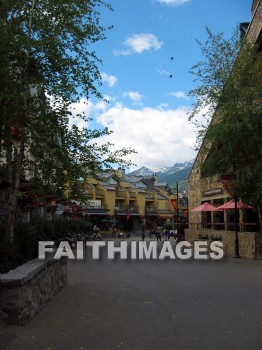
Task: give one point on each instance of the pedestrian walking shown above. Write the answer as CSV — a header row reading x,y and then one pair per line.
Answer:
x,y
143,233
97,235
158,235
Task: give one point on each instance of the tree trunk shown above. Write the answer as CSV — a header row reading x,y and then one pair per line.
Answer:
x,y
16,173
14,176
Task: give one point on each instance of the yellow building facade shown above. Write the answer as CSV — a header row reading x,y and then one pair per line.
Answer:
x,y
128,201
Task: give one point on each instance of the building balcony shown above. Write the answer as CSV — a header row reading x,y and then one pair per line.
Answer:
x,y
121,194
165,211
151,210
96,209
150,197
100,193
126,209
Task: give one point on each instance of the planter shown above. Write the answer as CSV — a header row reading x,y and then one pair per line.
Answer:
x,y
26,290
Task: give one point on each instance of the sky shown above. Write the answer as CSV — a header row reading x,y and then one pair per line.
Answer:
x,y
145,73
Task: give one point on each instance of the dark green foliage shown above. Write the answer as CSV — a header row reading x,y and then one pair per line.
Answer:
x,y
26,239
236,135
211,75
47,64
27,235
79,226
10,256
23,248
231,91
59,228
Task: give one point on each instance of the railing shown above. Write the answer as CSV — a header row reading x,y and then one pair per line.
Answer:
x,y
212,237
165,211
126,209
132,209
149,196
132,195
102,208
151,210
242,227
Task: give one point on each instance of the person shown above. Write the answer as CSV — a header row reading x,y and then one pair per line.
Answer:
x,y
97,235
143,233
120,235
114,231
158,235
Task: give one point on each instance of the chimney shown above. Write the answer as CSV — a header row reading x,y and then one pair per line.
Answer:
x,y
254,6
155,178
121,172
243,29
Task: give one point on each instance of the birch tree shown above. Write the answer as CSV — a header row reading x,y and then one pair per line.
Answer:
x,y
47,61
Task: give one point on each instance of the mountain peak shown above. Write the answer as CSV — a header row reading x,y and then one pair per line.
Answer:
x,y
170,175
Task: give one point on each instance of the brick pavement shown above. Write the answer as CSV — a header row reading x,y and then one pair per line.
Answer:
x,y
152,305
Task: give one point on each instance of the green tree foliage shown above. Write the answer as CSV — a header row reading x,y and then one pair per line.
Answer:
x,y
211,74
231,91
47,62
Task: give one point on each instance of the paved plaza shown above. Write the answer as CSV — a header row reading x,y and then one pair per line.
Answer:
x,y
169,304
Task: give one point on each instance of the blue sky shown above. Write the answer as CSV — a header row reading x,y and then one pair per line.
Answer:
x,y
152,40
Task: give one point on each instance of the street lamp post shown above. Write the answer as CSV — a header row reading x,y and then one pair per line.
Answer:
x,y
177,208
236,256
226,180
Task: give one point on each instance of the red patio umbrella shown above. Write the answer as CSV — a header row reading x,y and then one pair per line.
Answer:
x,y
231,205
205,207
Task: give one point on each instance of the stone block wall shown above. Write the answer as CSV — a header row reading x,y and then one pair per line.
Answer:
x,y
26,290
197,186
258,245
256,25
250,243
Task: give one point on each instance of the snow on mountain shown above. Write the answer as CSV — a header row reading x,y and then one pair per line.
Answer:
x,y
177,172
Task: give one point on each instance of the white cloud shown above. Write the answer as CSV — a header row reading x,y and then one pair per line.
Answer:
x,y
163,72
77,111
139,43
85,109
179,94
109,79
161,137
135,96
173,2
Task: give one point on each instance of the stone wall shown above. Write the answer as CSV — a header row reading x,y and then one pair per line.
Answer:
x,y
197,187
26,290
258,245
255,27
250,243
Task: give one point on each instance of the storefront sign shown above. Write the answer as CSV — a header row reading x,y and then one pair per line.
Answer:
x,y
96,204
212,192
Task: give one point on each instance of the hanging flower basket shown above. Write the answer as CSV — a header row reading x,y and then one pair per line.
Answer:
x,y
52,206
27,201
68,212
